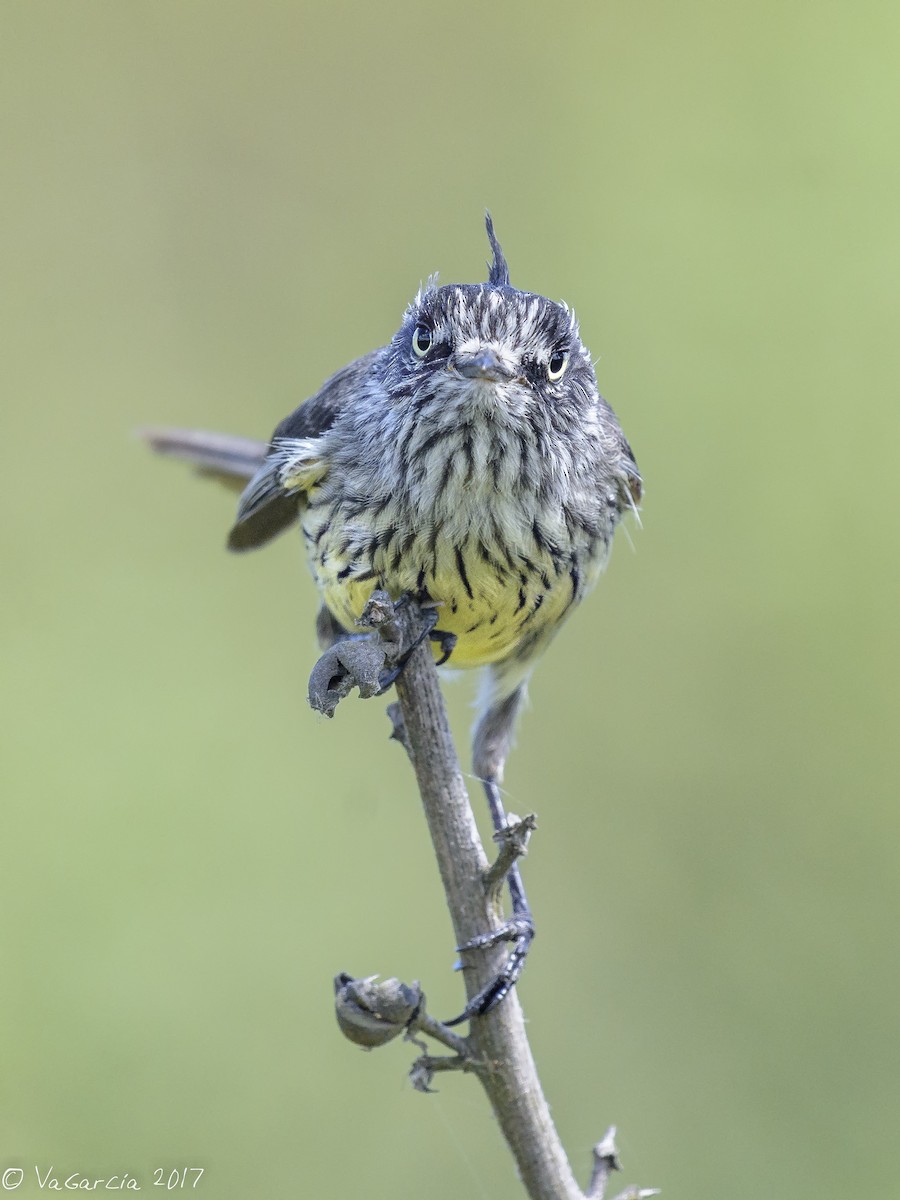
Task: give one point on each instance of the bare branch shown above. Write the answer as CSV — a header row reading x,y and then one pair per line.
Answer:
x,y
498,1038
496,1048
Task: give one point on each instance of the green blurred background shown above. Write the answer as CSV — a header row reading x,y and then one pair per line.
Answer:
x,y
207,208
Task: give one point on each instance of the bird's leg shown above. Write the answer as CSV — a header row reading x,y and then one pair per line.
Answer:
x,y
518,929
493,737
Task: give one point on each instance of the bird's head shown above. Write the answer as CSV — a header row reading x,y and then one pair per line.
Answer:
x,y
490,349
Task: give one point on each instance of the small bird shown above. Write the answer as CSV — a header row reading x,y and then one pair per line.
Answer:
x,y
471,464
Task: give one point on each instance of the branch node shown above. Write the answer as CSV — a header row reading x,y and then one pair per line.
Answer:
x,y
606,1160
398,728
380,615
513,843
426,1067
437,1030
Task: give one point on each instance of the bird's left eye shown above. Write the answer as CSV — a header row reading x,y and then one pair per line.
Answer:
x,y
421,340
557,364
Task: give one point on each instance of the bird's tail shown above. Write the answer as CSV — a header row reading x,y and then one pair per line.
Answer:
x,y
230,459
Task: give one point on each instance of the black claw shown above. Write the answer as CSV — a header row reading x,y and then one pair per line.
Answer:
x,y
387,679
516,929
446,641
519,931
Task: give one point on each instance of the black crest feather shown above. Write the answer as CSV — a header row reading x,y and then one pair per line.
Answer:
x,y
499,275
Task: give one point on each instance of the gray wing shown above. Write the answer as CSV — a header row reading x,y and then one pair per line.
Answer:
x,y
266,509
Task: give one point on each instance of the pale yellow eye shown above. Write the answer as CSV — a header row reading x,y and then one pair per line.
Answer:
x,y
556,367
421,340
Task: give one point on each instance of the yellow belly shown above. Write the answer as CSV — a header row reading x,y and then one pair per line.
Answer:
x,y
489,625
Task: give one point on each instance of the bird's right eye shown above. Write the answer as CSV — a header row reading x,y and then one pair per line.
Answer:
x,y
422,339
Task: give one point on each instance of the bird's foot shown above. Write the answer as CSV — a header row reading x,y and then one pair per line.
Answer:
x,y
520,931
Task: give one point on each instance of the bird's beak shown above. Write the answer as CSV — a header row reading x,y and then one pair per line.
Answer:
x,y
483,364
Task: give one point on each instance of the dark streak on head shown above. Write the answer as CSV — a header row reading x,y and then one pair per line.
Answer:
x,y
499,273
